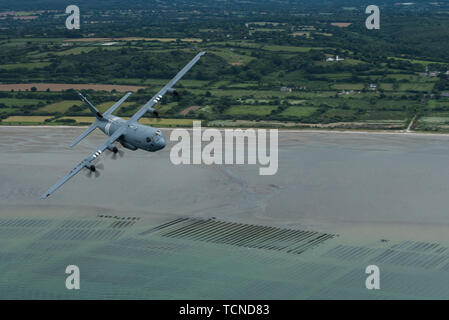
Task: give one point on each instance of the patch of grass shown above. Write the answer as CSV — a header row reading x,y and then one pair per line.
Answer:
x,y
434,120
159,122
299,112
348,86
336,76
17,120
437,104
384,115
250,110
423,62
80,119
290,48
424,87
75,51
102,107
231,57
29,66
13,102
332,113
61,106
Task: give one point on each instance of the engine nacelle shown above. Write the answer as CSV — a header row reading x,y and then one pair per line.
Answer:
x,y
112,148
91,167
153,112
173,92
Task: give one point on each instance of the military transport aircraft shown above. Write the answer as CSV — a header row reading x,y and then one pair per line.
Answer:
x,y
129,133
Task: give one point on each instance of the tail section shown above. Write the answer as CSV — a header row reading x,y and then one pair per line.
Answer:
x,y
88,131
91,107
98,115
93,126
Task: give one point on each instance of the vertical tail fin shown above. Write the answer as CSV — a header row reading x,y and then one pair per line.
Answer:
x,y
91,106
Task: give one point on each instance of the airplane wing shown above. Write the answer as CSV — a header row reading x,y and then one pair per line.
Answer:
x,y
86,161
149,105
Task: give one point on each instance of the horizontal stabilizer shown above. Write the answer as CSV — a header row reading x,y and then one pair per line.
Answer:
x,y
117,104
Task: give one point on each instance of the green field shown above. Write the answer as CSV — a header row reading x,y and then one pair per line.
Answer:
x,y
231,57
384,115
299,112
423,62
348,86
289,48
102,107
268,71
27,120
13,102
77,50
437,104
30,66
250,110
60,107
424,87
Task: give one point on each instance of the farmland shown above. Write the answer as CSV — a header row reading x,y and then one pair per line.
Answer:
x,y
265,70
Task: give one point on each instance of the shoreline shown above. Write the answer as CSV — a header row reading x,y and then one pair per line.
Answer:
x,y
283,130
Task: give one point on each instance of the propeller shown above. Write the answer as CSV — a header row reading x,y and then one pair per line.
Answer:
x,y
93,170
120,153
156,115
114,152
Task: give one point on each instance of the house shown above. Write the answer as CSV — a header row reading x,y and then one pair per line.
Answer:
x,y
332,59
430,74
373,86
286,89
445,94
350,92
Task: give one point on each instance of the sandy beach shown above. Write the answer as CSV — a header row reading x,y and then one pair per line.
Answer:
x,y
362,197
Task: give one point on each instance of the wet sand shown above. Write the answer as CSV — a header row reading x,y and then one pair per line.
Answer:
x,y
374,191
323,178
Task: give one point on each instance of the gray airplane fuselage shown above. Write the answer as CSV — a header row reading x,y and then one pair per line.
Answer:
x,y
137,136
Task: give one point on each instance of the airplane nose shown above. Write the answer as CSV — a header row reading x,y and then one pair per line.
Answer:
x,y
161,143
